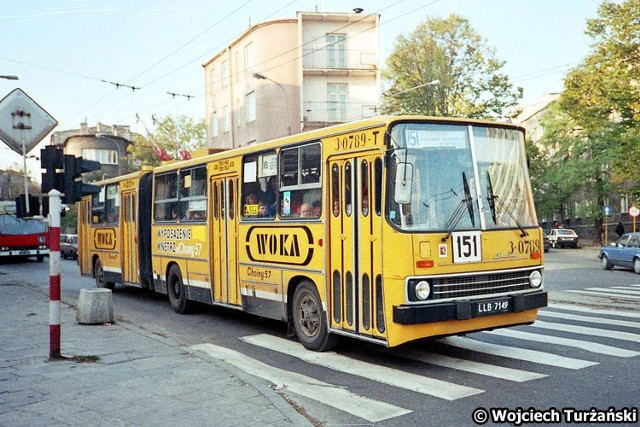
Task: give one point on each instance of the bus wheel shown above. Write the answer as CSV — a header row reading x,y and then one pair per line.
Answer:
x,y
98,272
177,291
309,320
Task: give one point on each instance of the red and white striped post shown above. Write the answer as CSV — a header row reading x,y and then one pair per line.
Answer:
x,y
54,274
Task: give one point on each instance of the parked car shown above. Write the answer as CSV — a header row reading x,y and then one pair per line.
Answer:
x,y
69,247
563,238
623,253
547,243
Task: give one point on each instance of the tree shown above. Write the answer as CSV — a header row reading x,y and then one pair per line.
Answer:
x,y
593,131
173,136
450,52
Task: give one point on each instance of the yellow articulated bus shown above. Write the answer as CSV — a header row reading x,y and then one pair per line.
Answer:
x,y
389,229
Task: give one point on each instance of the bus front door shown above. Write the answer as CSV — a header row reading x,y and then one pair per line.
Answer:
x,y
355,230
223,240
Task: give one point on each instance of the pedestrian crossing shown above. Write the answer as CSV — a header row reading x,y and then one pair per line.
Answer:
x,y
629,292
563,329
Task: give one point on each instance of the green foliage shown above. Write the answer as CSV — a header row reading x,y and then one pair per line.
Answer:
x,y
171,134
450,51
592,132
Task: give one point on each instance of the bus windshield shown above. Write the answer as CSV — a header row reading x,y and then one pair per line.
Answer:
x,y
446,177
10,225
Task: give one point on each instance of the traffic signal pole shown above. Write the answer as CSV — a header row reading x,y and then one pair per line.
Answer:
x,y
54,274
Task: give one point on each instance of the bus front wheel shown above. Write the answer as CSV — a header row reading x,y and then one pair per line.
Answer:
x,y
98,272
309,320
177,292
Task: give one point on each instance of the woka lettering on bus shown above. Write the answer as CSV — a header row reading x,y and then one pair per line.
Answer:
x,y
280,245
104,238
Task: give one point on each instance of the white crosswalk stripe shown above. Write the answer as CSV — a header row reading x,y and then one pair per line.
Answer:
x,y
517,353
590,310
616,291
591,319
485,369
606,294
568,342
420,384
586,330
368,409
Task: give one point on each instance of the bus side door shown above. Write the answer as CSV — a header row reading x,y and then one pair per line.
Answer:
x,y
129,256
355,244
223,240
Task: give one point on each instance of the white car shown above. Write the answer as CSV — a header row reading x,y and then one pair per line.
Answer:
x,y
563,238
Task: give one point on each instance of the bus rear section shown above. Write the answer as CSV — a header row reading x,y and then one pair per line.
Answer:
x,y
114,232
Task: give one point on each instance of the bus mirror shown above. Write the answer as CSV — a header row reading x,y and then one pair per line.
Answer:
x,y
404,178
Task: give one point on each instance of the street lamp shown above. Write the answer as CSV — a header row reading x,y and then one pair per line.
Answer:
x,y
431,83
261,76
9,77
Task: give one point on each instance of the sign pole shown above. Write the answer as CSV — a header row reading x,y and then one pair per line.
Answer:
x,y
54,274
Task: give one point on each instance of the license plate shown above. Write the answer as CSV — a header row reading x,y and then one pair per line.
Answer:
x,y
489,307
23,253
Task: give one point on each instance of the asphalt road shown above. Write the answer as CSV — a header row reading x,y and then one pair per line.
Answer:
x,y
573,357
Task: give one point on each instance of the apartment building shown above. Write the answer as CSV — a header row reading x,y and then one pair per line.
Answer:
x,y
290,75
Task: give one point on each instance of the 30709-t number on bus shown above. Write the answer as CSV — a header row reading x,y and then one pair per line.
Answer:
x,y
524,246
356,140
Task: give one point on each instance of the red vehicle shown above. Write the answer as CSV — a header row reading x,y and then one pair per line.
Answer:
x,y
21,238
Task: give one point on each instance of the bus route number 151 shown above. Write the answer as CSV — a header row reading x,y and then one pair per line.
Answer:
x,y
467,246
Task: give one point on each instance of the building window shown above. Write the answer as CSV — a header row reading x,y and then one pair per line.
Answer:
x,y
238,112
250,106
336,50
102,155
213,125
212,80
225,74
227,119
248,59
337,102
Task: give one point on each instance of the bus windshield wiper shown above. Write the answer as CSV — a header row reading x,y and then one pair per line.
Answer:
x,y
457,214
492,198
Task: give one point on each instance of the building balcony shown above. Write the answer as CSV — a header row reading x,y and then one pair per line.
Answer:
x,y
337,60
337,112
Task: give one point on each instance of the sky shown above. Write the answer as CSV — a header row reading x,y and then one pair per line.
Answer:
x,y
79,59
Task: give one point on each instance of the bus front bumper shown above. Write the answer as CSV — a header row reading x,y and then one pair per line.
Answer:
x,y
467,309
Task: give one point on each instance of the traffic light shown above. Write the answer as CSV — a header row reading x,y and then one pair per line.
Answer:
x,y
51,161
74,188
21,206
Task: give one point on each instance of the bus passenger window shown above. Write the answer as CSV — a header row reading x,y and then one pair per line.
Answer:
x,y
259,186
300,173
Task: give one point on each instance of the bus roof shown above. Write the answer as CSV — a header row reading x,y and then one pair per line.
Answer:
x,y
377,121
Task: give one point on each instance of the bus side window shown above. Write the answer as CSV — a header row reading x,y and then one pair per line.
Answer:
x,y
300,174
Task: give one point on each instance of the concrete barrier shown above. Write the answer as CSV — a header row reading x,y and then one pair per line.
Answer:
x,y
95,306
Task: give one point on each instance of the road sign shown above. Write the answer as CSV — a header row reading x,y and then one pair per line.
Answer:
x,y
633,211
607,211
23,121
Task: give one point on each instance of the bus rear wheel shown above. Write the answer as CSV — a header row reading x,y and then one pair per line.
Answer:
x,y
309,321
98,273
177,292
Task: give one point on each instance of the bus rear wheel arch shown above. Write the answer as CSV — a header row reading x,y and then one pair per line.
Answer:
x,y
310,320
177,291
98,274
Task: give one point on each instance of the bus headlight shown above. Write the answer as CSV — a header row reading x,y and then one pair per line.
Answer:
x,y
423,290
535,279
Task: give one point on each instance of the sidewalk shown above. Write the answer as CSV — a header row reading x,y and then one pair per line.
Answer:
x,y
138,380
